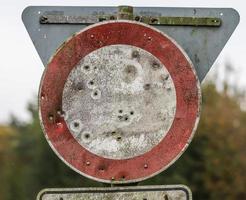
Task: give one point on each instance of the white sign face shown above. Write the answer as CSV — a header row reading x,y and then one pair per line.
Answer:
x,y
175,192
127,103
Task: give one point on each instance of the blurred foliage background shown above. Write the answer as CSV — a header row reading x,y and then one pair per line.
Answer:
x,y
214,166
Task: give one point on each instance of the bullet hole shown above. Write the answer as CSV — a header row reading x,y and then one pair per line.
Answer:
x,y
156,65
120,117
135,54
126,118
130,69
166,77
101,168
120,111
91,82
118,138
96,94
80,86
130,73
87,67
147,86
169,89
61,198
87,136
132,112
76,124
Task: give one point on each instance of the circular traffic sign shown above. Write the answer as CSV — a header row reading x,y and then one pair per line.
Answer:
x,y
119,101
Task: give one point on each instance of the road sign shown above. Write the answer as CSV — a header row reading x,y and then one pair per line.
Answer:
x,y
172,192
119,101
50,26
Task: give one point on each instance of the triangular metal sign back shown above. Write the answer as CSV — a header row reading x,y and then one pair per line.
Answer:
x,y
202,32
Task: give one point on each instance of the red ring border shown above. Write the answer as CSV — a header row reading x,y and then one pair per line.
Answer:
x,y
187,97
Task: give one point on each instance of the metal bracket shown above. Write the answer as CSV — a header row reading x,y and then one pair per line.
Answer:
x,y
126,12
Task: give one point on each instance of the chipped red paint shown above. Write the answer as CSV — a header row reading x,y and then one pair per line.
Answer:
x,y
187,110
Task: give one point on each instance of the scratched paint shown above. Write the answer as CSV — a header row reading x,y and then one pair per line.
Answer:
x,y
119,101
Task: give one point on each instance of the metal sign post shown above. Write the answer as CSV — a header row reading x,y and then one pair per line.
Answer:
x,y
120,96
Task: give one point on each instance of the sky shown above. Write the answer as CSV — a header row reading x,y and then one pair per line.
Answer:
x,y
21,67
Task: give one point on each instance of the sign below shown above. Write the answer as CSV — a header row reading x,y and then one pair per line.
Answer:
x,y
174,192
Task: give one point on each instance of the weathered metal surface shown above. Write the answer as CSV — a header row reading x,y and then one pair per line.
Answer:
x,y
125,12
125,103
202,44
133,67
172,192
161,20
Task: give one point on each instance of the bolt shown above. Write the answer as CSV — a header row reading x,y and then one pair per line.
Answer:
x,y
43,19
145,166
42,96
112,17
137,18
88,163
153,20
101,19
51,117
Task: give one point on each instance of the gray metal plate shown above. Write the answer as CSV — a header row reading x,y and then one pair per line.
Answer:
x,y
172,192
202,44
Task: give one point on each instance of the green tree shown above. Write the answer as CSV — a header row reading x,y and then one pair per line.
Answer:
x,y
213,166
